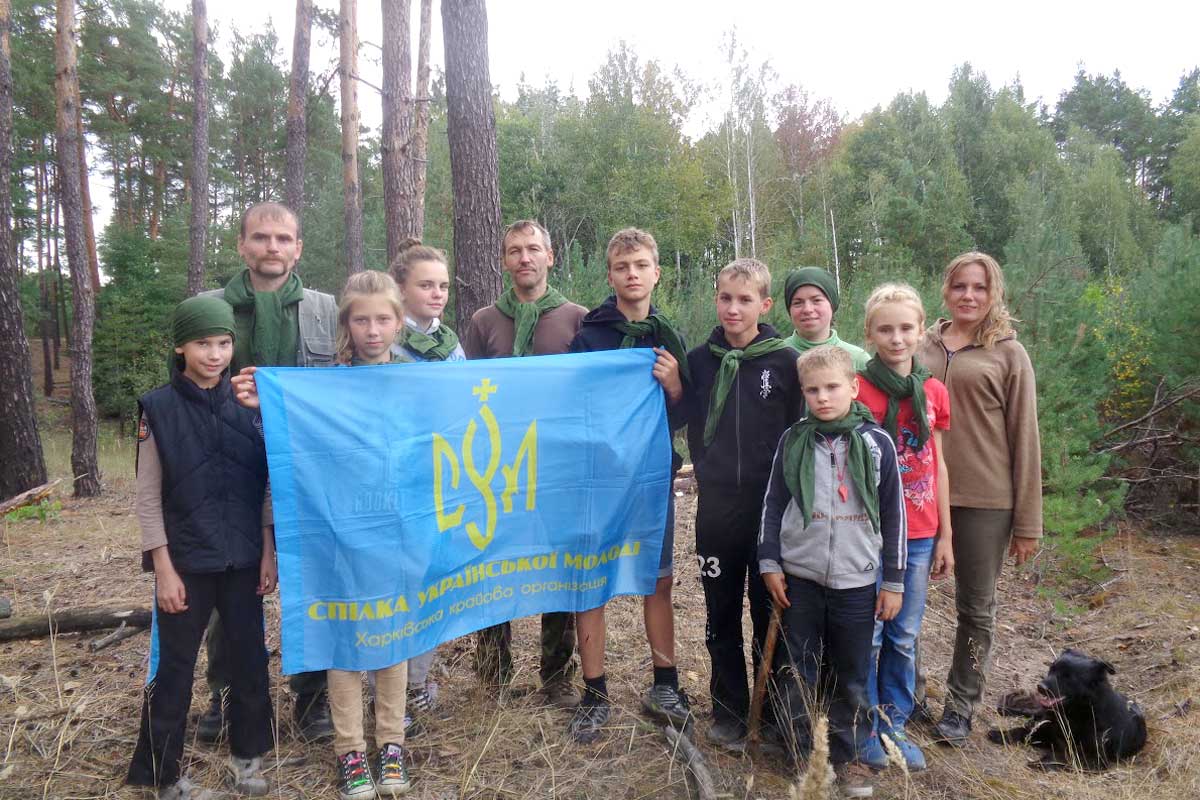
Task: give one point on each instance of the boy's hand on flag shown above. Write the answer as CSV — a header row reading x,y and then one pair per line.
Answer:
x,y
887,605
666,372
245,389
777,587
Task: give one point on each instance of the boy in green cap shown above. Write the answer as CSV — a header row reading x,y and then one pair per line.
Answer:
x,y
201,486
811,294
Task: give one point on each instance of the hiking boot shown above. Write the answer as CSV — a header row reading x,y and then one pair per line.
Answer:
x,y
587,721
312,717
561,694
245,776
914,759
854,780
953,729
871,753
669,704
183,789
728,734
354,779
212,724
393,772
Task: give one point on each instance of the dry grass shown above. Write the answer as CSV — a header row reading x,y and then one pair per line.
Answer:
x,y
68,718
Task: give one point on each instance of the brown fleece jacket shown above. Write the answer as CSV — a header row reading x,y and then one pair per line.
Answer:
x,y
993,450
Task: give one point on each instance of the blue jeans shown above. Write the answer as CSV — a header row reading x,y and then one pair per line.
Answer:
x,y
893,680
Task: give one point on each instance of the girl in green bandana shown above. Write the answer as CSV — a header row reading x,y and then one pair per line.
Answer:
x,y
914,407
423,276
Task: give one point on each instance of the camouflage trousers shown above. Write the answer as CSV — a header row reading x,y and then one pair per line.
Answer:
x,y
493,650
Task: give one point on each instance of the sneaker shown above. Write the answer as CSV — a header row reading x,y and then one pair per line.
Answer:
x,y
871,753
312,717
412,727
420,700
854,780
668,704
212,723
354,779
245,776
587,721
393,772
728,734
913,757
561,694
183,789
953,729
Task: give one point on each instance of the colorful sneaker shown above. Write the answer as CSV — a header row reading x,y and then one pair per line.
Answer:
x,y
668,703
245,776
587,721
393,772
354,779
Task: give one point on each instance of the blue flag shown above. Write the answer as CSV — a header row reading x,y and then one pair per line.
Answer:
x,y
416,503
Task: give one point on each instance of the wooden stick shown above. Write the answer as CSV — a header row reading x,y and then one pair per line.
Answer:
x,y
119,635
760,680
693,763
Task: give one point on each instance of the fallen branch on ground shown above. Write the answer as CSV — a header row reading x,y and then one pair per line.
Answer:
x,y
119,635
28,497
74,620
693,763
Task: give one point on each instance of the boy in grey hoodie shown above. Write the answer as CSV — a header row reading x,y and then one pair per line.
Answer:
x,y
833,505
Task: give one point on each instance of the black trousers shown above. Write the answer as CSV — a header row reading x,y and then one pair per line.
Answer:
x,y
727,524
827,638
169,693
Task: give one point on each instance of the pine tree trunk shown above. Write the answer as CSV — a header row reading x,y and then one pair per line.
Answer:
x,y
351,191
21,464
84,463
474,169
85,191
397,125
198,227
419,158
297,115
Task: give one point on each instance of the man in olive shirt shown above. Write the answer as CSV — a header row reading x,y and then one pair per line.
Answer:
x,y
279,324
529,319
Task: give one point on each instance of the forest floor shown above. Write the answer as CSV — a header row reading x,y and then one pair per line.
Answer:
x,y
68,717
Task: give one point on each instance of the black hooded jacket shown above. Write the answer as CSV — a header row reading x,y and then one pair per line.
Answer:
x,y
597,333
764,401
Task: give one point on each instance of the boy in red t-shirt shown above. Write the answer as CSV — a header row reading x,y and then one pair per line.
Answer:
x,y
897,389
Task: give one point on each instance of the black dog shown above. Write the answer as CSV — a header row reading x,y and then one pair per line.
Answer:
x,y
1082,718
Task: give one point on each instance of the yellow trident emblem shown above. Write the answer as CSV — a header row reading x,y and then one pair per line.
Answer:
x,y
443,453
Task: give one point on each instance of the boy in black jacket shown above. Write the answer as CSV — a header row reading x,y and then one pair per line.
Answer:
x,y
201,483
627,319
745,393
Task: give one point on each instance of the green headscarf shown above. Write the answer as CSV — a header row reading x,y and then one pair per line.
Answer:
x,y
799,464
810,276
525,316
434,346
198,317
663,332
731,361
898,388
268,323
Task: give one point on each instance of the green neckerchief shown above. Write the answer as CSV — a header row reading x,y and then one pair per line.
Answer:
x,y
435,346
800,344
268,323
898,388
525,316
731,360
664,334
799,464
393,358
